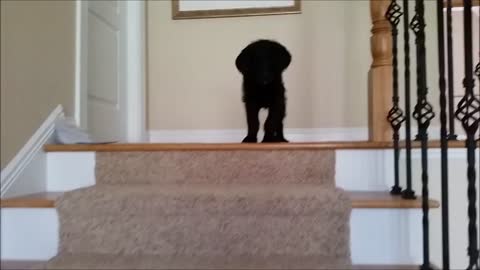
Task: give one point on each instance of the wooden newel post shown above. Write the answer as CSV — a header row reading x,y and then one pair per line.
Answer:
x,y
380,75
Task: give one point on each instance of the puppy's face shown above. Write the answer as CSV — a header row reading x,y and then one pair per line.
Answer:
x,y
263,62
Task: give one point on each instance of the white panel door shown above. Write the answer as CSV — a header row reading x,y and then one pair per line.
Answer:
x,y
106,70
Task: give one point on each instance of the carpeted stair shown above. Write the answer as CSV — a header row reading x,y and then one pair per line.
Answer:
x,y
207,210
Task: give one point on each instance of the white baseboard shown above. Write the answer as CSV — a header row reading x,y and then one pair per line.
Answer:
x,y
27,170
236,135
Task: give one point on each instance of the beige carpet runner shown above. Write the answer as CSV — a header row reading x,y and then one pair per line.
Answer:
x,y
207,210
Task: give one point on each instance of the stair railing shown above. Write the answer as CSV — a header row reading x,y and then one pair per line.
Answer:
x,y
467,112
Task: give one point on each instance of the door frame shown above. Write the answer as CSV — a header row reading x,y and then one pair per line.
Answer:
x,y
135,120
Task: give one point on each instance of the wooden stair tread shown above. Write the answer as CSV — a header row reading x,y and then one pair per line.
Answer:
x,y
125,147
459,3
360,199
389,267
382,199
36,200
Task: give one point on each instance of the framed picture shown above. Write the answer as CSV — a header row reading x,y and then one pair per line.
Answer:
x,y
195,9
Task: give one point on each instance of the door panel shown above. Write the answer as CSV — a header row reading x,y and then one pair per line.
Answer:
x,y
106,70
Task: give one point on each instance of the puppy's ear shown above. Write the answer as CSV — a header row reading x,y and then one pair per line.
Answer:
x,y
243,60
284,56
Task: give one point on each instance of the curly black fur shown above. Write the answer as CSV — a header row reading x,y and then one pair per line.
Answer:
x,y
262,64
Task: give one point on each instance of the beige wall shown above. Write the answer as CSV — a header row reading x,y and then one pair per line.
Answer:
x,y
193,82
37,65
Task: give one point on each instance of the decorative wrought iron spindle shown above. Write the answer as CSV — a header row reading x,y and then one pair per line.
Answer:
x,y
468,110
443,136
477,69
408,193
423,113
477,72
395,115
451,98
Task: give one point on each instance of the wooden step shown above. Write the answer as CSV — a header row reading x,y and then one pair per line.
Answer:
x,y
389,267
125,147
360,199
459,3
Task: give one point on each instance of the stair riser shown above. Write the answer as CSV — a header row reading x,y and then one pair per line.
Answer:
x,y
208,236
355,170
369,227
216,167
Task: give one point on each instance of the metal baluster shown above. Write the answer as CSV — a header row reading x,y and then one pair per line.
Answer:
x,y
423,113
443,136
468,110
408,193
477,69
395,115
451,98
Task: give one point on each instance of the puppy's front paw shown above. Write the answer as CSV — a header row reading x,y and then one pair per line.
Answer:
x,y
280,138
250,139
274,139
269,139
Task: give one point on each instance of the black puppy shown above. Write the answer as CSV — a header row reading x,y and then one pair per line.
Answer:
x,y
262,64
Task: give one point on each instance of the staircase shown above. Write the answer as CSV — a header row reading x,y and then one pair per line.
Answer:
x,y
219,206
207,209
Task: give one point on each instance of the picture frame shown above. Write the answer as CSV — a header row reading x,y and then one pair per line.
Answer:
x,y
197,9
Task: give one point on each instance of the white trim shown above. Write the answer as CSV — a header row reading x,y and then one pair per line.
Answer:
x,y
236,135
27,153
81,47
135,92
135,42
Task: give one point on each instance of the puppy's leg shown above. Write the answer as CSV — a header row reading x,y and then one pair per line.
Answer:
x,y
279,133
274,122
252,122
279,130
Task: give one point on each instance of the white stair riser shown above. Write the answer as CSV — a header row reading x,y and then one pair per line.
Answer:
x,y
29,233
33,234
70,170
355,170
